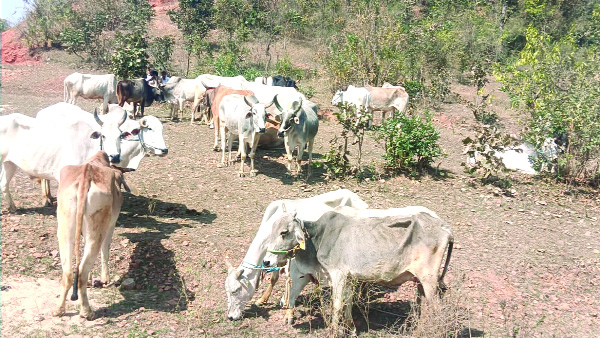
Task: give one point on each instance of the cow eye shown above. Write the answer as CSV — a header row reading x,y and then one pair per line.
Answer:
x,y
284,232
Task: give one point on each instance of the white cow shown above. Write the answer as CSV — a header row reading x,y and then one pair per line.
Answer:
x,y
60,136
265,94
360,98
178,91
206,81
243,116
91,86
242,282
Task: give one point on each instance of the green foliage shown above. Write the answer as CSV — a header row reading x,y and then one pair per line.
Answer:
x,y
411,143
4,25
308,91
161,50
354,124
194,18
556,84
130,59
44,21
229,14
284,67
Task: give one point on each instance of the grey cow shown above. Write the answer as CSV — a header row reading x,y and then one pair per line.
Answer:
x,y
388,251
299,126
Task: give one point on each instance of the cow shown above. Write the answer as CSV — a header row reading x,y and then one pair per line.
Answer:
x,y
360,98
338,248
243,116
284,81
64,134
299,126
139,92
387,99
177,91
218,94
242,282
389,85
89,203
265,94
92,87
206,81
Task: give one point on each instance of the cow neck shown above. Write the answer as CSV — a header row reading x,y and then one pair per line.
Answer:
x,y
314,231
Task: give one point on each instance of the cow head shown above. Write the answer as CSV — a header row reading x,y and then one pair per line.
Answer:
x,y
110,136
257,113
157,91
151,136
289,116
239,291
287,234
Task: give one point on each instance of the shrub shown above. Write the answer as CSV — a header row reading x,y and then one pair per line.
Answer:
x,y
130,59
411,143
161,50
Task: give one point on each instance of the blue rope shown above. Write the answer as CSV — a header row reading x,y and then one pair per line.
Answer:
x,y
263,267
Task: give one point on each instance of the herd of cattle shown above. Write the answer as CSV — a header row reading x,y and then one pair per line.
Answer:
x,y
328,238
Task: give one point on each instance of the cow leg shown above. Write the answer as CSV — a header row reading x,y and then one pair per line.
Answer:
x,y
229,146
90,252
243,155
288,151
142,104
46,195
253,155
298,281
217,125
299,158
223,139
66,239
339,293
310,151
180,111
104,277
8,171
265,296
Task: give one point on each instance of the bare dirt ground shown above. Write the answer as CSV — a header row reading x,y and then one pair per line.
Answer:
x,y
525,265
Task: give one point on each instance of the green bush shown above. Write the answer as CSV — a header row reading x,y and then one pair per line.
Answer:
x,y
411,143
130,59
161,50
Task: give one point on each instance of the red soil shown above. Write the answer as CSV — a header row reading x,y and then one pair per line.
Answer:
x,y
13,50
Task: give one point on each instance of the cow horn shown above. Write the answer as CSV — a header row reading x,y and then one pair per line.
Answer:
x,y
299,106
123,119
270,104
144,123
97,118
283,207
238,273
277,103
229,266
250,104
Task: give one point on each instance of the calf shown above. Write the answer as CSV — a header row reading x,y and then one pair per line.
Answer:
x,y
248,124
299,126
89,202
139,92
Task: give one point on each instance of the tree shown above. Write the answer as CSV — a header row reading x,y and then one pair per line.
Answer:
x,y
194,19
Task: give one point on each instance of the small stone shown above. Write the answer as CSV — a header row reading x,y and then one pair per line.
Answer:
x,y
185,243
38,318
125,242
128,284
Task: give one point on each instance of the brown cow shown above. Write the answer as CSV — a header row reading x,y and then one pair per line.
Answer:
x,y
89,202
386,99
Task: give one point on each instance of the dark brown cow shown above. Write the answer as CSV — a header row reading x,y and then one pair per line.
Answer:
x,y
139,92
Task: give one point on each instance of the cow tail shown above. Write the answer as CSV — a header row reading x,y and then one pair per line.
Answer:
x,y
443,286
120,95
82,191
66,96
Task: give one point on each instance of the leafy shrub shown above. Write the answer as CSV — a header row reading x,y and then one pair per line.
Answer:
x,y
411,143
130,59
284,67
161,50
481,151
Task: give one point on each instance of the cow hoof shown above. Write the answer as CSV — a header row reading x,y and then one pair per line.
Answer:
x,y
221,165
289,321
211,126
259,302
59,312
88,315
241,174
252,174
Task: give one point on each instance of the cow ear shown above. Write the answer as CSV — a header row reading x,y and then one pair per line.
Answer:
x,y
299,236
95,135
296,120
135,131
249,115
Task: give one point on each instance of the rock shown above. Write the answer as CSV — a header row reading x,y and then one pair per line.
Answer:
x,y
128,284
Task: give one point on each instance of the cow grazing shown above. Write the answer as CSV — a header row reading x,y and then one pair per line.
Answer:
x,y
178,91
89,203
242,282
387,250
91,87
299,126
387,99
243,116
139,92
